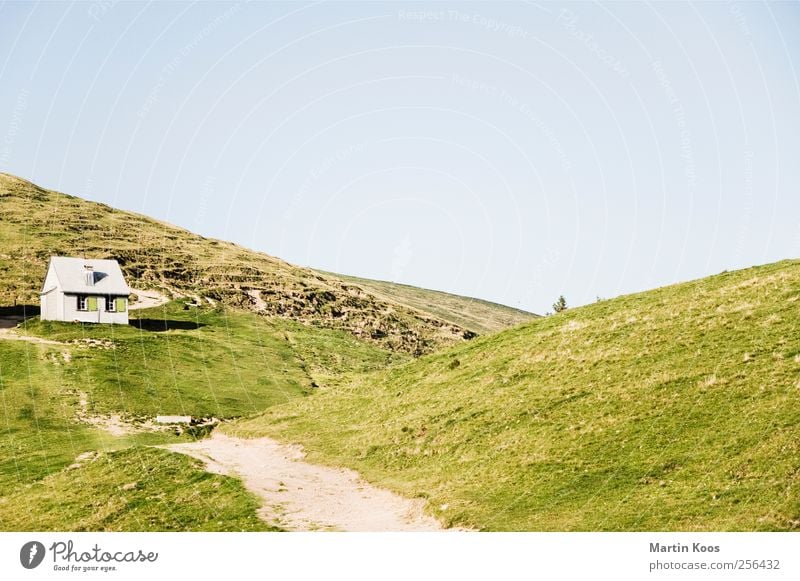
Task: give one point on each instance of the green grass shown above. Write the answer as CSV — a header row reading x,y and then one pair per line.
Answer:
x,y
38,431
210,362
137,489
232,364
675,409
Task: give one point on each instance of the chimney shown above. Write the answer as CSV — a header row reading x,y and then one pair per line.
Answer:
x,y
89,274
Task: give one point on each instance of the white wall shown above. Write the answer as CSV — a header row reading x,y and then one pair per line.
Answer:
x,y
71,312
52,307
50,304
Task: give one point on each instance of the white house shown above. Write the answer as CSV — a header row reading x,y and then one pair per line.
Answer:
x,y
85,290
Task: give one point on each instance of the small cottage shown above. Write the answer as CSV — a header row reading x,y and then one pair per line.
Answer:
x,y
85,290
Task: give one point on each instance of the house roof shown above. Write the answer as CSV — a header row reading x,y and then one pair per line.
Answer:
x,y
72,276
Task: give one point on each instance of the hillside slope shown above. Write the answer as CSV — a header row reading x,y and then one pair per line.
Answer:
x,y
674,409
38,223
482,317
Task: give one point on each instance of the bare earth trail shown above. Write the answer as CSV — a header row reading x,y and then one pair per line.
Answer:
x,y
147,299
300,496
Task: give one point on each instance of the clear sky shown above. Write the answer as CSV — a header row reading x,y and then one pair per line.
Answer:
x,y
509,151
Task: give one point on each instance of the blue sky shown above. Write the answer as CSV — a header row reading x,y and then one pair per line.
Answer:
x,y
509,151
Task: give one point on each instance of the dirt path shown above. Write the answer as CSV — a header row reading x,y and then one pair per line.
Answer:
x,y
148,299
9,335
300,496
5,335
114,424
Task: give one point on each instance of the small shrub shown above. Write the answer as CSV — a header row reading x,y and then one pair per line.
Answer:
x,y
560,305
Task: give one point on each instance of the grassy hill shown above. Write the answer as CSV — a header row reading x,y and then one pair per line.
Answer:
x,y
674,409
38,223
482,317
60,470
78,406
79,400
131,489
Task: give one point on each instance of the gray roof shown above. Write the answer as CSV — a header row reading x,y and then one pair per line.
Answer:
x,y
72,274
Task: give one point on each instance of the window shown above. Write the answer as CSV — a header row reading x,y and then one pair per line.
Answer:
x,y
87,303
111,304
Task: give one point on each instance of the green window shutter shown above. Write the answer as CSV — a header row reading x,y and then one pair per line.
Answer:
x,y
120,305
91,303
